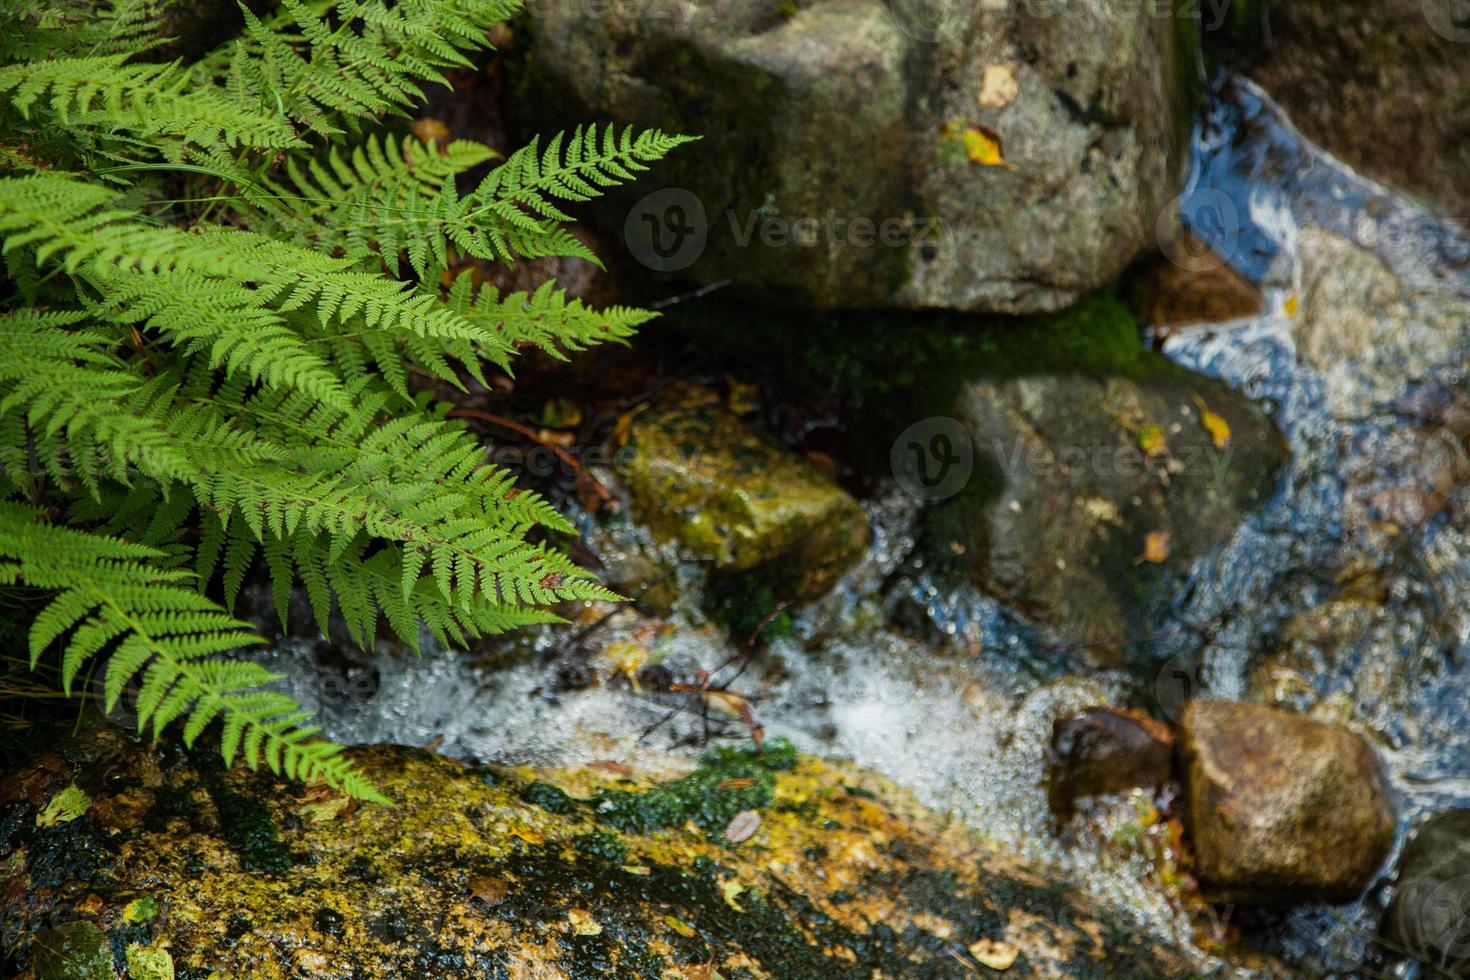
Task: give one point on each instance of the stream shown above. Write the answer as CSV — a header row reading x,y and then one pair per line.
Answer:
x,y
1343,596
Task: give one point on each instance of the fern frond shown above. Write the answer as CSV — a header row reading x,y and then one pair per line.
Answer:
x,y
363,60
110,598
143,101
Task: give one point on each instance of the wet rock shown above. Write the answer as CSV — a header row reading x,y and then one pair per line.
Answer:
x,y
1092,490
1194,285
555,873
699,476
1280,808
1364,330
1430,915
1381,87
1100,751
844,154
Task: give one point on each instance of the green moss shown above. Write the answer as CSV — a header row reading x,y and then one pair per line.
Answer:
x,y
726,782
245,822
550,798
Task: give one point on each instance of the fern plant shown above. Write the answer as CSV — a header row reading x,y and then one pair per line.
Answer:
x,y
219,279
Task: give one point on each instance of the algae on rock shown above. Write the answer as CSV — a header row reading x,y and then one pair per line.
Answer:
x,y
844,877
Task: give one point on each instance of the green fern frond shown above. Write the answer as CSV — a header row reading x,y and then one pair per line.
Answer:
x,y
209,335
166,637
143,101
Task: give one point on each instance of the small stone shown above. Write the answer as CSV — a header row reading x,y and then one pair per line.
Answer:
x,y
743,826
1099,751
1280,808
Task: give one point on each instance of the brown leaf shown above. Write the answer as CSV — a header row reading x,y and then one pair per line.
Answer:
x,y
612,767
491,891
1155,547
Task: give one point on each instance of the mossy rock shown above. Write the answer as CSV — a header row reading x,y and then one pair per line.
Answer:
x,y
833,173
701,477
496,873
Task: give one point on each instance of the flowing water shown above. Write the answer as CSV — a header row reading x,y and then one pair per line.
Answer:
x,y
962,714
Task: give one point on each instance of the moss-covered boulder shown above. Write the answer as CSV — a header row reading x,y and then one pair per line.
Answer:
x,y
771,865
863,153
701,477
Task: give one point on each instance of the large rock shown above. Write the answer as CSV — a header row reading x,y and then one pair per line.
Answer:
x,y
1278,807
857,153
700,477
775,865
1092,490
1430,915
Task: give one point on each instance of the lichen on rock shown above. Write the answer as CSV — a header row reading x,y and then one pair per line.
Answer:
x,y
477,872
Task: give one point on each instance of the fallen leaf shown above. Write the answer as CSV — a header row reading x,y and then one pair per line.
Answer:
x,y
637,869
65,806
628,658
740,782
1290,306
998,87
327,810
611,767
982,144
528,835
1151,440
680,926
491,891
993,953
742,826
733,890
583,924
1155,547
1214,424
143,909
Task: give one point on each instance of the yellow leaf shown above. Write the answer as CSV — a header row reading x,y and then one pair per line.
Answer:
x,y
1151,440
430,130
1155,547
680,926
981,144
1290,306
1214,424
733,890
994,953
998,87
583,924
638,869
65,806
628,658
